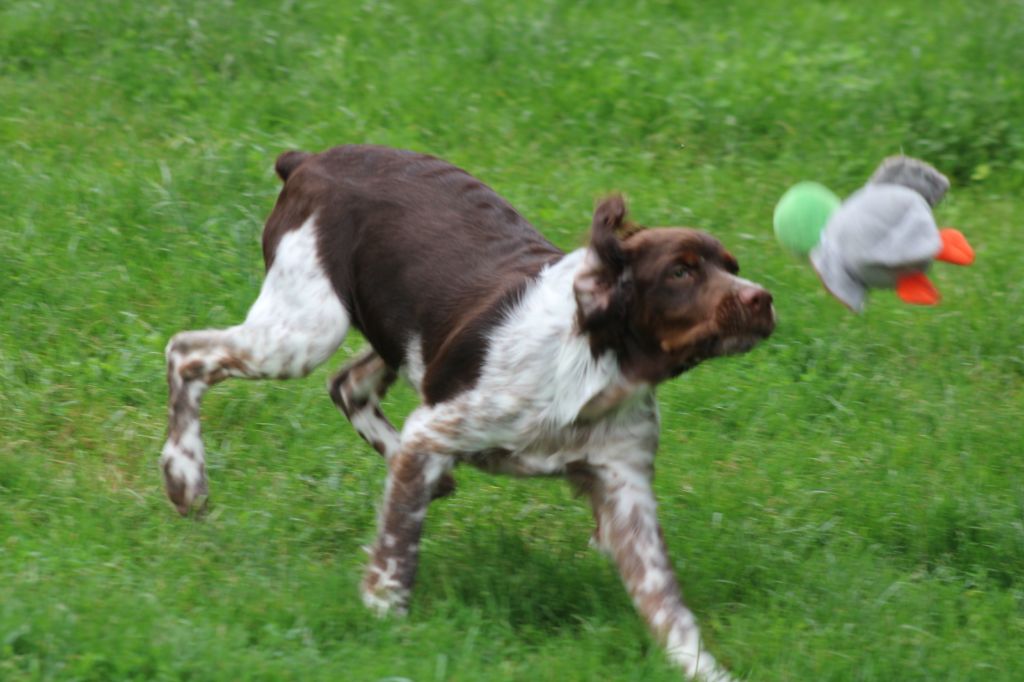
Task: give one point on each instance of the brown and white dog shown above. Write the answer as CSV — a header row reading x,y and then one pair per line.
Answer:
x,y
529,361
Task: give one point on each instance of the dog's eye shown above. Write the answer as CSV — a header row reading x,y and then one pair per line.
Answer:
x,y
682,271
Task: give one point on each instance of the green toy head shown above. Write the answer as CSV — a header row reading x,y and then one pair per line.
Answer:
x,y
801,214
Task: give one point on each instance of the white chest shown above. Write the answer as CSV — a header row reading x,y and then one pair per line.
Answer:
x,y
542,400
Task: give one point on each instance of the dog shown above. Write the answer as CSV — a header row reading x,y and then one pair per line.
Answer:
x,y
529,361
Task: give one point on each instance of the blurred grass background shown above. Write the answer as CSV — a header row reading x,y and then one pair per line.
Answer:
x,y
844,503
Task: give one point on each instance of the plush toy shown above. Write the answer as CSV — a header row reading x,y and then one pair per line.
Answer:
x,y
882,236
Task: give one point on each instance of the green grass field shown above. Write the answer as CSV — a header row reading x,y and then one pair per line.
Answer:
x,y
844,503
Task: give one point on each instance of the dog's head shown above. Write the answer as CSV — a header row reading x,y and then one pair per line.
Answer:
x,y
665,299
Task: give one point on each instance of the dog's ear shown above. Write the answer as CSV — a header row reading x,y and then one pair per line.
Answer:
x,y
600,283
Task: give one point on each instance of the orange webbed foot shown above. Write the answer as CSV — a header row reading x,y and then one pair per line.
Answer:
x,y
917,289
955,248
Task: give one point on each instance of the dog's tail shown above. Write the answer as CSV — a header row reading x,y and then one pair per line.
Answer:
x,y
288,162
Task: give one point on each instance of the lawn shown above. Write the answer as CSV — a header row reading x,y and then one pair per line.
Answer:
x,y
844,503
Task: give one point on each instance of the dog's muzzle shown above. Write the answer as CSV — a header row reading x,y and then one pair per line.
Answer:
x,y
744,318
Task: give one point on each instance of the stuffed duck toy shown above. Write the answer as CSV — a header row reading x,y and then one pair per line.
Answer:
x,y
883,236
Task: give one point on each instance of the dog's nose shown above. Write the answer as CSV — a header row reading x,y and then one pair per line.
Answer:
x,y
756,299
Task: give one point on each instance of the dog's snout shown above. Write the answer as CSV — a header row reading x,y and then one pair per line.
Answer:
x,y
756,299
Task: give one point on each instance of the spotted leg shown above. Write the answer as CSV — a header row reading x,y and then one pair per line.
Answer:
x,y
413,473
628,530
357,390
296,323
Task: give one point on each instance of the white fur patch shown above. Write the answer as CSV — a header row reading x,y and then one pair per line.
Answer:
x,y
414,369
374,430
297,321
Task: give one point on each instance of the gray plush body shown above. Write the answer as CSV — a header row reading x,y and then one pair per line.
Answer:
x,y
882,232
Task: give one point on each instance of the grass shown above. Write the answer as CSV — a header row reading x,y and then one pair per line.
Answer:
x,y
844,503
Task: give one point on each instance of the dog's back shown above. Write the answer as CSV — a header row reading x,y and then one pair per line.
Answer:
x,y
415,247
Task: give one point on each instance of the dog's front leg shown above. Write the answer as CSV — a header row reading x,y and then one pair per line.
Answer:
x,y
628,530
413,474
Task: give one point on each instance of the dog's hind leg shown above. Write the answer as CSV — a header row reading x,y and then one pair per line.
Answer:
x,y
296,323
357,390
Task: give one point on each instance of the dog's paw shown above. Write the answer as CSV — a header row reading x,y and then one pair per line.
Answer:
x,y
184,478
385,601
382,591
